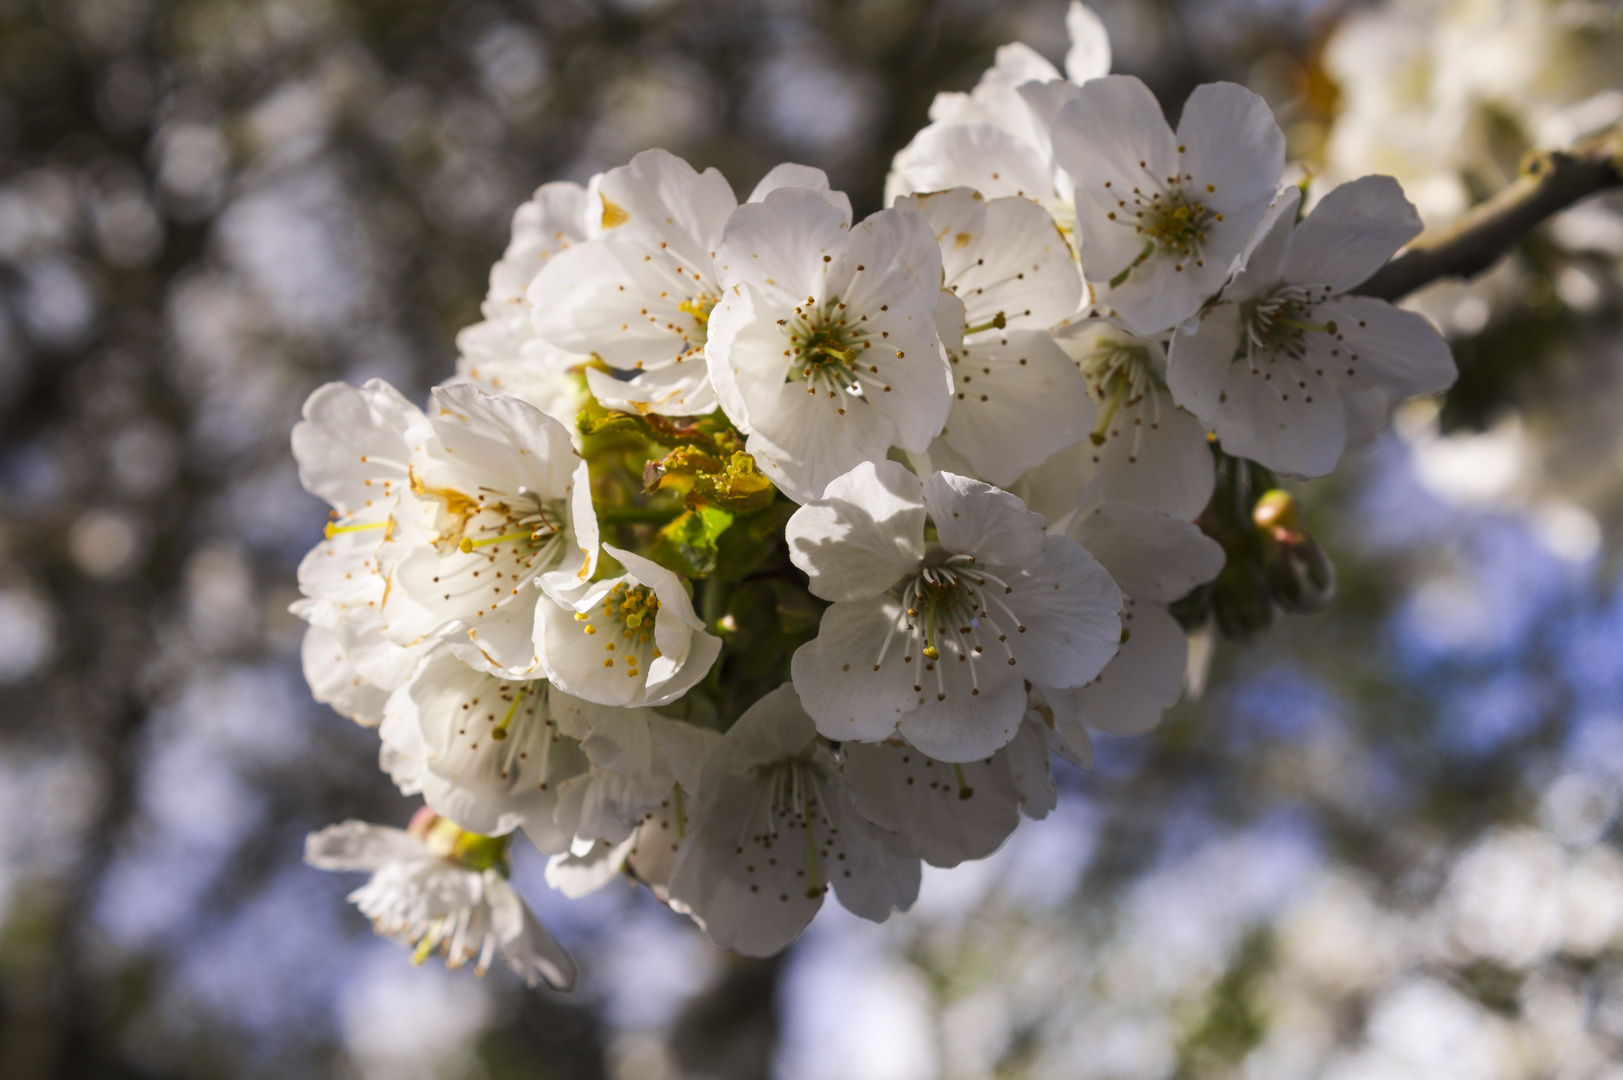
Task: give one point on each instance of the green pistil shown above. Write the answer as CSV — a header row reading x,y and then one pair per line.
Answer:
x,y
500,730
996,322
1116,398
964,790
812,890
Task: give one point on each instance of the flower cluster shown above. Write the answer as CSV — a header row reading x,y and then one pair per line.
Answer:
x,y
757,551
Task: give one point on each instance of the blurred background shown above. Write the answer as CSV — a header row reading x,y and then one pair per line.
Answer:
x,y
1381,843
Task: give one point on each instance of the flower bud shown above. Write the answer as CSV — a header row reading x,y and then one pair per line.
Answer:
x,y
469,850
1301,576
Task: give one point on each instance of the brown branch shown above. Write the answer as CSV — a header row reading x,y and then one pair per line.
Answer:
x,y
1550,182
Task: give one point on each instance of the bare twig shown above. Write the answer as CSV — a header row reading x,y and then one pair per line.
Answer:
x,y
1550,182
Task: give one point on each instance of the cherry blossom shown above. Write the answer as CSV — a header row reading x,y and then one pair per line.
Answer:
x,y
774,828
437,887
823,348
1165,216
1288,368
934,642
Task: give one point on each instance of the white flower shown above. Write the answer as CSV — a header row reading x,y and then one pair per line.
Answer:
x,y
486,753
499,506
1155,558
1165,216
439,888
639,295
997,138
774,827
503,354
507,357
669,752
1286,365
1010,275
641,761
948,812
354,449
823,348
335,681
1144,449
627,641
936,641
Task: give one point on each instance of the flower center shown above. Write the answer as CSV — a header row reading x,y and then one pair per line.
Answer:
x,y
1173,221
1118,374
794,788
524,523
631,610
699,307
952,610
828,351
1278,323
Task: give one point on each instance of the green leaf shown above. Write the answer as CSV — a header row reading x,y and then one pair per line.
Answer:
x,y
687,544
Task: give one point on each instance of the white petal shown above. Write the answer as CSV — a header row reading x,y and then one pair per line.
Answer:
x,y
896,289
1155,455
1006,256
497,440
973,518
789,175
1030,770
1264,259
616,739
776,245
508,357
864,535
353,444
654,847
680,388
812,441
755,903
989,159
620,297
577,875
524,944
1069,610
1198,361
1152,556
854,677
755,863
1089,54
947,813
1386,348
358,845
334,681
1018,400
449,716
1143,679
607,805
661,195
683,748
1351,233
1101,138
953,719
1282,414
553,218
1233,144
